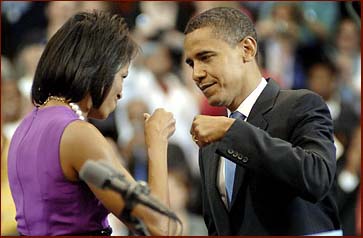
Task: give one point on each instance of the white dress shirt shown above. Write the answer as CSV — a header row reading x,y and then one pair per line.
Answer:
x,y
245,109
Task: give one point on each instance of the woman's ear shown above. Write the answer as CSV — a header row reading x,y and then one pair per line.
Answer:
x,y
249,48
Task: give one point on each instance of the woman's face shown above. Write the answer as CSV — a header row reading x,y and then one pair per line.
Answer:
x,y
115,93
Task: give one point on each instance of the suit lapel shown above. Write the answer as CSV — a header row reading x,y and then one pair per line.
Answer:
x,y
218,209
263,104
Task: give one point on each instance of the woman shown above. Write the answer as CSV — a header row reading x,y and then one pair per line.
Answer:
x,y
80,75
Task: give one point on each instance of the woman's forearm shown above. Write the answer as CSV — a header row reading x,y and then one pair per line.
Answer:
x,y
158,171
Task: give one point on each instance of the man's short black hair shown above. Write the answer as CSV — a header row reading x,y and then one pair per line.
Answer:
x,y
83,57
229,24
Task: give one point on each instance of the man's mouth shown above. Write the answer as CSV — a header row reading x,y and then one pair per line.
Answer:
x,y
205,86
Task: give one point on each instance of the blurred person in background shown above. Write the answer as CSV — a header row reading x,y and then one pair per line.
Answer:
x,y
79,75
26,61
182,188
347,57
170,93
349,185
90,6
57,12
10,118
155,17
12,108
201,6
279,36
317,19
135,150
18,19
8,212
359,215
322,79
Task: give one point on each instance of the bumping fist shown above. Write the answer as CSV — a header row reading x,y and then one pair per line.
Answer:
x,y
207,129
159,126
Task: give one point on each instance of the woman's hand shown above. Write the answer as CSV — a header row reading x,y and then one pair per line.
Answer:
x,y
159,126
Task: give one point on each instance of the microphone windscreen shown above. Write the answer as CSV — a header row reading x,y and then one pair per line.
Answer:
x,y
93,173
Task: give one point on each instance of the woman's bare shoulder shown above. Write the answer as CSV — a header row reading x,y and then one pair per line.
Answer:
x,y
82,141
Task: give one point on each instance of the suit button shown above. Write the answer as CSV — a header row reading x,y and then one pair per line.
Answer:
x,y
240,157
235,154
245,159
230,151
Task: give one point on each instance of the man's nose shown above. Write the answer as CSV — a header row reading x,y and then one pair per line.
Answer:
x,y
198,73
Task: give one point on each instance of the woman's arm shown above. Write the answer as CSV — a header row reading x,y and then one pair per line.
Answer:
x,y
158,129
81,142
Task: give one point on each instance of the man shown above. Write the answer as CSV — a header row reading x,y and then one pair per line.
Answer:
x,y
272,170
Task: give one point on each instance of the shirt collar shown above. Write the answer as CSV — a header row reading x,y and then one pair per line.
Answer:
x,y
247,104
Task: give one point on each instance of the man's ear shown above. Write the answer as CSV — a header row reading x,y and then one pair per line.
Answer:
x,y
249,48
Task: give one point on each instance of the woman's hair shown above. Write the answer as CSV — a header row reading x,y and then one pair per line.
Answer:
x,y
83,57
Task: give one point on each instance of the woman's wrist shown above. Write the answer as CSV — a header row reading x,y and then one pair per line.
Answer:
x,y
156,141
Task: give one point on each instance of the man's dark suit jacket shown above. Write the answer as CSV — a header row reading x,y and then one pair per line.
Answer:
x,y
285,174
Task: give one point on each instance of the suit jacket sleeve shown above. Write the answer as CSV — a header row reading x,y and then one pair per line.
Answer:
x,y
305,161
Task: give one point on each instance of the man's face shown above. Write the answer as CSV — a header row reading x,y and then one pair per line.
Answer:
x,y
321,80
217,66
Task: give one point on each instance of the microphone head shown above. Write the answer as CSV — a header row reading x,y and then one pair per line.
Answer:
x,y
95,174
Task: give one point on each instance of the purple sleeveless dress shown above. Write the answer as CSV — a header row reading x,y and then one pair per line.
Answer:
x,y
46,202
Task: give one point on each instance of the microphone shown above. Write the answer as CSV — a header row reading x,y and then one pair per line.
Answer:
x,y
104,176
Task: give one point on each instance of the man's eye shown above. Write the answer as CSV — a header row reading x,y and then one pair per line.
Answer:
x,y
206,57
189,62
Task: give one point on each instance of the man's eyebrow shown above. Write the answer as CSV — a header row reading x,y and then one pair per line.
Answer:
x,y
199,55
202,53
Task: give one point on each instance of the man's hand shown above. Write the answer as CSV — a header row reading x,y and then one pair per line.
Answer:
x,y
207,129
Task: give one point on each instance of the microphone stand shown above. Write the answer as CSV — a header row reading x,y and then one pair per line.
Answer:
x,y
103,175
138,227
131,195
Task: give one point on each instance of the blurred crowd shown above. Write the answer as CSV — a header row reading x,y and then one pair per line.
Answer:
x,y
313,45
